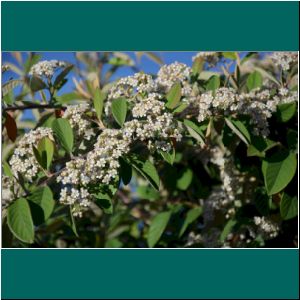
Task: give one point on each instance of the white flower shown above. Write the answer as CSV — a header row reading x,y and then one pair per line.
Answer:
x,y
284,59
46,68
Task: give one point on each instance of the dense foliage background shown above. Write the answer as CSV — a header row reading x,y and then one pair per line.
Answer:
x,y
197,155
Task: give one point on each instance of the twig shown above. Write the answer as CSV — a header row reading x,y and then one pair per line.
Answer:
x,y
32,106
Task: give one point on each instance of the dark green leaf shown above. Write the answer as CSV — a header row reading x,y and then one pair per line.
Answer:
x,y
64,133
147,170
286,111
278,171
157,227
191,216
45,153
43,197
239,129
259,146
20,221
119,110
36,84
288,207
125,171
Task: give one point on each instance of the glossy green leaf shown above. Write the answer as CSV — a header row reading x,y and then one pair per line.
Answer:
x,y
259,146
286,111
194,131
43,197
45,153
192,215
147,170
254,80
239,129
157,227
19,220
278,171
288,207
174,96
119,110
64,133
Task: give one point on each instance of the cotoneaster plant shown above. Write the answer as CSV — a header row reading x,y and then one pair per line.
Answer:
x,y
187,157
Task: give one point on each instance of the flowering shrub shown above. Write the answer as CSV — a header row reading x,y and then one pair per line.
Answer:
x,y
201,156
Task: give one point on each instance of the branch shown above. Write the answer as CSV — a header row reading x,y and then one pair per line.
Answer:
x,y
31,106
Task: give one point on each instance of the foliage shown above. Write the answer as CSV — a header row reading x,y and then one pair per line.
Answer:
x,y
190,157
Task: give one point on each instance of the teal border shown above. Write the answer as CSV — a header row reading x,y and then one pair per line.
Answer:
x,y
169,26
163,26
138,274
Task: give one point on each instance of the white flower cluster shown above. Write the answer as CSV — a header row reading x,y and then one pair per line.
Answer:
x,y
168,75
285,60
211,58
79,120
79,199
257,104
266,227
10,190
23,160
46,68
100,166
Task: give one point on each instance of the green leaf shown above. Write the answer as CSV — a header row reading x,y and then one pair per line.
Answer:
x,y
64,133
259,146
239,129
292,140
174,96
169,157
229,55
147,170
104,201
265,74
180,108
191,216
213,83
286,111
157,227
197,66
254,80
262,201
6,169
288,207
61,76
278,171
227,229
10,85
43,197
68,97
119,110
36,84
20,221
185,180
147,192
125,171
98,101
44,152
194,131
